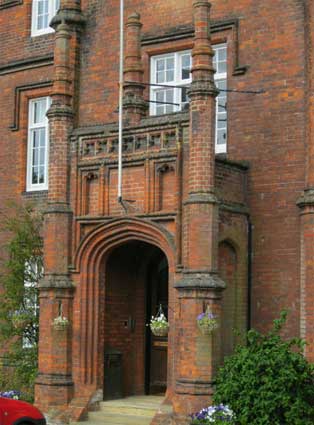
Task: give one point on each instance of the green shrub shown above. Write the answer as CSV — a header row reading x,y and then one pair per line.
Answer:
x,y
21,270
268,381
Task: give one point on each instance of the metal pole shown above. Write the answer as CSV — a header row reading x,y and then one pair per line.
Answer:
x,y
120,103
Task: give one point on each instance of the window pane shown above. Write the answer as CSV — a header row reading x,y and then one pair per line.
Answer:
x,y
170,63
160,77
184,96
35,157
41,174
42,137
57,5
222,67
222,119
42,156
221,137
39,111
160,64
170,76
169,95
35,139
35,175
185,67
222,54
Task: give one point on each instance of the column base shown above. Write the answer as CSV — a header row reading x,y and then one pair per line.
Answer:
x,y
53,392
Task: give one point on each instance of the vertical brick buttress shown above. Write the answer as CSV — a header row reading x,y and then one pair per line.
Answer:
x,y
54,386
200,285
306,201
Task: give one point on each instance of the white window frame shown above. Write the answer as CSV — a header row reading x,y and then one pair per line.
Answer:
x,y
53,6
221,148
177,80
30,186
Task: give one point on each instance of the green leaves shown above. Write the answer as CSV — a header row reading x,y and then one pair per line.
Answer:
x,y
23,267
268,381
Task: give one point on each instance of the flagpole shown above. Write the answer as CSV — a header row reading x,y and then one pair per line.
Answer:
x,y
120,103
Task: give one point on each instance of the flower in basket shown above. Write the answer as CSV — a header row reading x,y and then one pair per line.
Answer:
x,y
217,415
11,394
60,322
159,325
207,322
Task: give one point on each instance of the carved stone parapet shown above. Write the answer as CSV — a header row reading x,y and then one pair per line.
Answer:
x,y
193,279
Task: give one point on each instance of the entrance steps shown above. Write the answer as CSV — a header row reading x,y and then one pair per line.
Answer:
x,y
135,410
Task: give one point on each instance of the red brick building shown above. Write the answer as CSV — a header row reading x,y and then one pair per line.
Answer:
x,y
218,186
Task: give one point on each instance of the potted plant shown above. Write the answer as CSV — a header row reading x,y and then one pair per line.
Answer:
x,y
207,322
159,324
217,415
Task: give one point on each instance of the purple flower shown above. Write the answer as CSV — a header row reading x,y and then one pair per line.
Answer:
x,y
200,316
11,394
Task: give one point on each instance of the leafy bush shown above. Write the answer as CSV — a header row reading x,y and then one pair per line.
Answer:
x,y
268,381
21,270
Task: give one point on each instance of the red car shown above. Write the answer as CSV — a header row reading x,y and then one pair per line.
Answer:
x,y
17,412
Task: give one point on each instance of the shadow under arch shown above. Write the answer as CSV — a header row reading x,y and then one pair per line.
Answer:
x,y
92,253
116,232
232,262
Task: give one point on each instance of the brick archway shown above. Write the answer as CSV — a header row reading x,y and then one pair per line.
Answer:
x,y
93,252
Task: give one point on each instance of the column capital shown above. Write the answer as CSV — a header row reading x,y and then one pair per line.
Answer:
x,y
200,280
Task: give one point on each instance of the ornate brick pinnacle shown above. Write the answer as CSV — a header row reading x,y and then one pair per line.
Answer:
x,y
134,104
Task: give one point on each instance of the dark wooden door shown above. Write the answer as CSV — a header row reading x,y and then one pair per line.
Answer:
x,y
156,371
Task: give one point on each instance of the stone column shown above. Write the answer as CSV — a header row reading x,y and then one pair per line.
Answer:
x,y
133,103
54,386
200,286
306,201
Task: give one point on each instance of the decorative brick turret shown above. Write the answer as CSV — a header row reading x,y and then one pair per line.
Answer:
x,y
134,105
54,386
200,286
306,201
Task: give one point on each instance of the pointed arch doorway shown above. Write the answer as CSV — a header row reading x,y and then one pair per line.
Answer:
x,y
135,281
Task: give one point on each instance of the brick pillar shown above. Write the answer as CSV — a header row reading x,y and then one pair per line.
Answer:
x,y
134,105
306,201
200,286
54,386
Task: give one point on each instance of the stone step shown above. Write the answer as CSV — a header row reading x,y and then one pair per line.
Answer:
x,y
135,410
98,418
140,406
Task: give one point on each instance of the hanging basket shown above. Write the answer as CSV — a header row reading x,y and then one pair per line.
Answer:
x,y
160,331
60,323
159,324
207,328
207,322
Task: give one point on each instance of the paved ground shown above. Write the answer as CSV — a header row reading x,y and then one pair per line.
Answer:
x,y
137,410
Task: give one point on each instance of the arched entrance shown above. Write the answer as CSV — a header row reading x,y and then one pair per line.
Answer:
x,y
135,285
